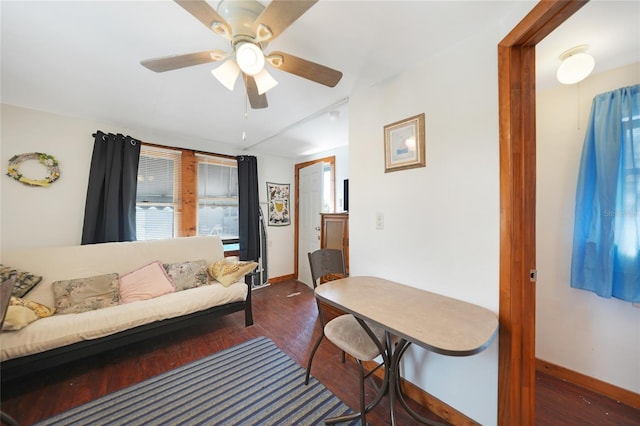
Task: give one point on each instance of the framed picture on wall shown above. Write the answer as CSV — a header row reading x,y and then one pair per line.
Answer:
x,y
404,144
278,200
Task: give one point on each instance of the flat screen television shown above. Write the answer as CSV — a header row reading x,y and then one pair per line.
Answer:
x,y
345,204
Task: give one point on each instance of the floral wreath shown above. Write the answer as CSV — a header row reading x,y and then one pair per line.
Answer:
x,y
45,159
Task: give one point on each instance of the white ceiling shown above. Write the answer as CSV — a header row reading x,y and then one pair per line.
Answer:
x,y
81,58
611,29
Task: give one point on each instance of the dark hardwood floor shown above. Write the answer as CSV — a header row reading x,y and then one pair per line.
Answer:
x,y
286,313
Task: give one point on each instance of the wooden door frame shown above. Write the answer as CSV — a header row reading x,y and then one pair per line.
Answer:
x,y
296,229
517,116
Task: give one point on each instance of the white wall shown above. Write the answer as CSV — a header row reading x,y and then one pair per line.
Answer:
x,y
43,217
35,216
441,222
280,239
575,328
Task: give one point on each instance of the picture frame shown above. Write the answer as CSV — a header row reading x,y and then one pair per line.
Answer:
x,y
278,204
404,144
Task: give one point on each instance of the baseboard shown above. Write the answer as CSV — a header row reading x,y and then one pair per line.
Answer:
x,y
616,393
275,280
433,404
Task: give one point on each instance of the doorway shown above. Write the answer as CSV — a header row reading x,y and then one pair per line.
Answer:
x,y
517,118
330,162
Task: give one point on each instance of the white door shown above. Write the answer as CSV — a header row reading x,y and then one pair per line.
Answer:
x,y
311,191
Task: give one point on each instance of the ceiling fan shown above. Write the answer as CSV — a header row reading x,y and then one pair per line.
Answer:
x,y
249,26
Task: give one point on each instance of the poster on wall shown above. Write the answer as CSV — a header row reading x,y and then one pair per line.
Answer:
x,y
278,196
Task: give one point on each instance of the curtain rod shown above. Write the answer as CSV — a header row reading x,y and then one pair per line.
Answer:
x,y
195,151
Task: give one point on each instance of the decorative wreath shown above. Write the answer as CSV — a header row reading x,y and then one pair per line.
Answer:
x,y
45,159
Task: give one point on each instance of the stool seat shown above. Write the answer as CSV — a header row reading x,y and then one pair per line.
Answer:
x,y
347,334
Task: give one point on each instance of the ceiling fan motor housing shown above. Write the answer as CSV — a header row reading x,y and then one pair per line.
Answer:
x,y
241,14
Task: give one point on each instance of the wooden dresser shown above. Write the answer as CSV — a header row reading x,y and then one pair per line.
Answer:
x,y
334,234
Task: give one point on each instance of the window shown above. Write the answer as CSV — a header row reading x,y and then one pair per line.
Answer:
x,y
626,227
327,196
172,181
158,200
217,197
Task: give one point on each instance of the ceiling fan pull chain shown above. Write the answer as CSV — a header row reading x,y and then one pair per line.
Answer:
x,y
246,113
246,117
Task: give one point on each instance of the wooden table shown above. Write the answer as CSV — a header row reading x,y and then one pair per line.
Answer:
x,y
437,323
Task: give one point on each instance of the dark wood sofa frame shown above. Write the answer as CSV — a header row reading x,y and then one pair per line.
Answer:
x,y
26,365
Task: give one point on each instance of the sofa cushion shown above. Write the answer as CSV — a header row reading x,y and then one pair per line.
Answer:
x,y
144,283
186,275
86,294
25,281
22,312
227,272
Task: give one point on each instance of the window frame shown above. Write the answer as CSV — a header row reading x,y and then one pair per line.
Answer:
x,y
187,226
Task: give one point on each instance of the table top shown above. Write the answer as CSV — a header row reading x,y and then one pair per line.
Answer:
x,y
438,323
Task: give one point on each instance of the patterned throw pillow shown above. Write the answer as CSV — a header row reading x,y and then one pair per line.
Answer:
x,y
186,275
86,294
22,312
25,281
6,272
228,273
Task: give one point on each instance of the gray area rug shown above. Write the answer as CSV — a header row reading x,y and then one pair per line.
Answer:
x,y
253,383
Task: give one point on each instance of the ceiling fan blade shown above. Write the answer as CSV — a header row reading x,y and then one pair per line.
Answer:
x,y
305,69
256,100
204,13
168,63
279,14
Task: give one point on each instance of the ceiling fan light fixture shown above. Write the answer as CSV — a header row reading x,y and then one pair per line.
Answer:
x,y
250,58
576,65
264,81
227,74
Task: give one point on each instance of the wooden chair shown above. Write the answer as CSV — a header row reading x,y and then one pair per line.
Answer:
x,y
5,297
346,331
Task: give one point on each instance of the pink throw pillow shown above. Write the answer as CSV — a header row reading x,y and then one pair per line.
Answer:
x,y
145,283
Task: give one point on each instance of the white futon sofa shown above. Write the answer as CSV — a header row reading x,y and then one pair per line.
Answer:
x,y
60,338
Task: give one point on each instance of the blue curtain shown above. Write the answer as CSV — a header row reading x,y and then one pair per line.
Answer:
x,y
606,240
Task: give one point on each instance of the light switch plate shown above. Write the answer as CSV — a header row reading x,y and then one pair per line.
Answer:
x,y
379,220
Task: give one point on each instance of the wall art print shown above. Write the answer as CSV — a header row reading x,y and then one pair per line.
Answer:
x,y
404,144
278,199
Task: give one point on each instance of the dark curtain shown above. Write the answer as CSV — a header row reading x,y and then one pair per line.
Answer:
x,y
248,208
110,210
